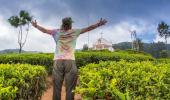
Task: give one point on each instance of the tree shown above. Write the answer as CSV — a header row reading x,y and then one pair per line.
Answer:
x,y
19,22
164,31
155,49
138,45
164,54
85,47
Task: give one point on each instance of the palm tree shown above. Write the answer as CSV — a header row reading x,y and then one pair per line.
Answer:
x,y
19,22
164,31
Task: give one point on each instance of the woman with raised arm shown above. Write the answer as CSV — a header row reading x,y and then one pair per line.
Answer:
x,y
64,59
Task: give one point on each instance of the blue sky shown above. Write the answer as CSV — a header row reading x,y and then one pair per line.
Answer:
x,y
122,15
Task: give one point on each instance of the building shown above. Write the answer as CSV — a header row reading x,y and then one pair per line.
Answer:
x,y
101,44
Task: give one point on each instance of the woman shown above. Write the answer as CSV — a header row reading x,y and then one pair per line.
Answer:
x,y
64,59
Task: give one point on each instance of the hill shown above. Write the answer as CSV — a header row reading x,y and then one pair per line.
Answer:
x,y
152,48
16,51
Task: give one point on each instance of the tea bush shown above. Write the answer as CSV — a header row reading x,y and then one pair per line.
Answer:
x,y
22,81
82,58
43,59
125,81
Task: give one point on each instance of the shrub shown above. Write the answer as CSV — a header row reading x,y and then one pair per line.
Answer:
x,y
163,60
43,59
82,58
22,81
125,81
164,54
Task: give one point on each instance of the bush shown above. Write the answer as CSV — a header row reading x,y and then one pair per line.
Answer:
x,y
125,81
22,81
43,59
130,51
82,58
164,54
163,60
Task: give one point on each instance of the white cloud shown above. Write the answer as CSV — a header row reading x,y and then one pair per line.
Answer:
x,y
158,38
7,37
38,41
115,33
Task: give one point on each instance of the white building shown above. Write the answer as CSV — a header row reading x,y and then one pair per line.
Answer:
x,y
101,44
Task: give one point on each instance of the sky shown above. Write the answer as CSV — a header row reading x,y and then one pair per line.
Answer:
x,y
123,16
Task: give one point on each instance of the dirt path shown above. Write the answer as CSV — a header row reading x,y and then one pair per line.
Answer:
x,y
49,92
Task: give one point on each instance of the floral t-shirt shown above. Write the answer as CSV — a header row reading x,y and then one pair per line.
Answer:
x,y
65,44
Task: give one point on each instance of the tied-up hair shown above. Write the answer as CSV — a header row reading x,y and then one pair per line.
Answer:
x,y
66,23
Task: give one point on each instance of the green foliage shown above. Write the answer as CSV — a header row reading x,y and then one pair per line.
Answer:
x,y
14,21
125,81
22,19
85,47
130,51
164,54
151,48
163,60
82,58
155,49
22,81
163,30
28,58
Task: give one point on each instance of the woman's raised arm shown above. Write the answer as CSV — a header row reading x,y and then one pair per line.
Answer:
x,y
42,29
94,26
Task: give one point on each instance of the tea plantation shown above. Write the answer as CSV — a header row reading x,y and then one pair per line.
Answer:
x,y
118,75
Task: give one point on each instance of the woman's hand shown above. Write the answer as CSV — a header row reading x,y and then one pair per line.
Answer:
x,y
34,23
102,22
42,29
94,26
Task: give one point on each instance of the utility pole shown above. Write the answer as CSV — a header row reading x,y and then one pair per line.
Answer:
x,y
101,35
134,38
88,31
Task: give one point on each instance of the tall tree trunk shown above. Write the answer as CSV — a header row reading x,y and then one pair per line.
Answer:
x,y
20,39
20,48
166,43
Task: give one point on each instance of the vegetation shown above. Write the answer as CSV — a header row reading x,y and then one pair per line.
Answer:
x,y
22,81
119,75
164,30
28,58
154,48
85,47
82,58
20,21
125,81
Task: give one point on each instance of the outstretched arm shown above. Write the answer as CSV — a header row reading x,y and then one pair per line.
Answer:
x,y
42,29
94,26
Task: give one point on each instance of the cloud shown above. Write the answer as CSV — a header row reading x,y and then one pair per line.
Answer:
x,y
36,40
142,16
7,37
117,33
158,38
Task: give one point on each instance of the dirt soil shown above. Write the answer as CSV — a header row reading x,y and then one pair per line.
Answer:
x,y
49,92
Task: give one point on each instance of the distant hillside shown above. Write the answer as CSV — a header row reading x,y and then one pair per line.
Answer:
x,y
127,45
16,51
152,48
